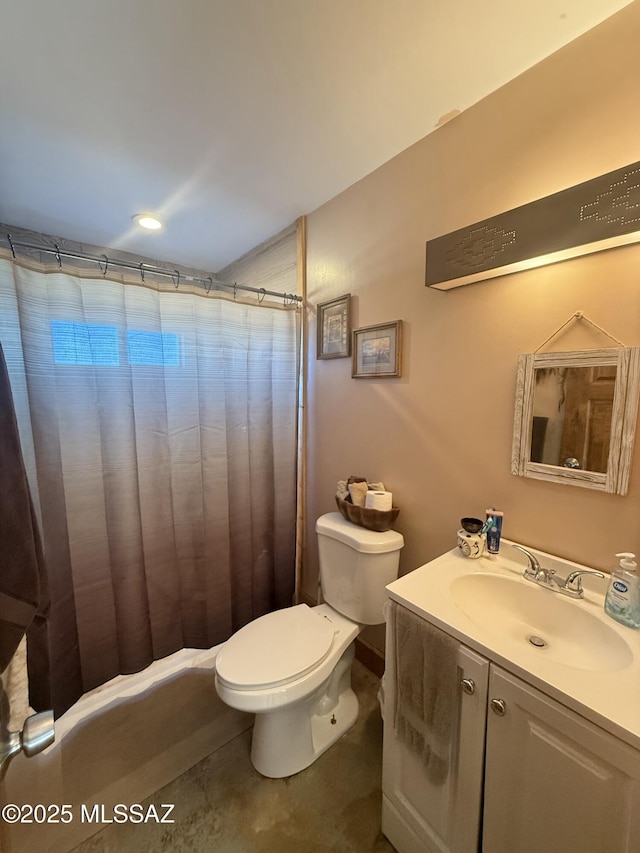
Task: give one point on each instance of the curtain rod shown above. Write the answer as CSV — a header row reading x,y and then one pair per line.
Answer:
x,y
105,262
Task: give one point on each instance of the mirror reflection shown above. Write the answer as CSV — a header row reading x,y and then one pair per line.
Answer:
x,y
575,417
572,416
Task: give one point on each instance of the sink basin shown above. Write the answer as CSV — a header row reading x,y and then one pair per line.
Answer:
x,y
563,630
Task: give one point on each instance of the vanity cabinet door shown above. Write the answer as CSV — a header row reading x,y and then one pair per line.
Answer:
x,y
420,815
555,782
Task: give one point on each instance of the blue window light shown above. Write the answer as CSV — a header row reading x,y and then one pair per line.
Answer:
x,y
84,343
153,348
88,344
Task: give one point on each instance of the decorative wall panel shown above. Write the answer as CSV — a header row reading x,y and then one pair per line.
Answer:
x,y
598,214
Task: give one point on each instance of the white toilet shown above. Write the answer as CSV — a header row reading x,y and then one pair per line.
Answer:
x,y
292,668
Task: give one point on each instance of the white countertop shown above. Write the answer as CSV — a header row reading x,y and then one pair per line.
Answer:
x,y
609,698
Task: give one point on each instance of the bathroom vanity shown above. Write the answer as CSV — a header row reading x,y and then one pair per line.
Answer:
x,y
545,737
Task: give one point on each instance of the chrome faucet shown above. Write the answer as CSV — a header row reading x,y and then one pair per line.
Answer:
x,y
571,585
534,571
37,734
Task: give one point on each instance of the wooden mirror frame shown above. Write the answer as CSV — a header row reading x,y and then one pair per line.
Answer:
x,y
623,419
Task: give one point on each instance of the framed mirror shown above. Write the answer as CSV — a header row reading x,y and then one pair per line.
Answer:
x,y
575,417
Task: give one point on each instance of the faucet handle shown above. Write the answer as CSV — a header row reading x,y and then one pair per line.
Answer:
x,y
573,583
533,568
536,572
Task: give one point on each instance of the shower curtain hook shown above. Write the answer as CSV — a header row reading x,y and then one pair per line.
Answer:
x,y
264,293
141,271
235,289
176,280
106,265
208,289
58,258
11,246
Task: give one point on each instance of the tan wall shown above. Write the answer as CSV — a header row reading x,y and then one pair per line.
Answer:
x,y
440,436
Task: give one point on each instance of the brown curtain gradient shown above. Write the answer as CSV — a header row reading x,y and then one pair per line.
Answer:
x,y
163,430
23,579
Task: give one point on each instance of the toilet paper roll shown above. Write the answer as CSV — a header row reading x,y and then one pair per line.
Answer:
x,y
378,500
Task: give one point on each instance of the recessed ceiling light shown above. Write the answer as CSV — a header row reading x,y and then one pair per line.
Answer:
x,y
148,221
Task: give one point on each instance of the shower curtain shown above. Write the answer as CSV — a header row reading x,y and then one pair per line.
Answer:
x,y
23,580
158,426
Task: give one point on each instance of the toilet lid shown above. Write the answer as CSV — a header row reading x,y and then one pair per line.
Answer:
x,y
275,648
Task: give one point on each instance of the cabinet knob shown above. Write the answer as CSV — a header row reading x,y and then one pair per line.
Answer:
x,y
498,707
469,686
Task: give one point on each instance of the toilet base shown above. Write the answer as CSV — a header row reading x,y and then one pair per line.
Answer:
x,y
290,739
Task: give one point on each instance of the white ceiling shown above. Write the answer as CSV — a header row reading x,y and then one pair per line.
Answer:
x,y
230,118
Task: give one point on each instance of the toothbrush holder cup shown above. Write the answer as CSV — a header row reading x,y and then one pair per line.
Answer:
x,y
472,545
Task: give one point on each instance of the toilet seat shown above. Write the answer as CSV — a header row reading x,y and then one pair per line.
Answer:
x,y
275,649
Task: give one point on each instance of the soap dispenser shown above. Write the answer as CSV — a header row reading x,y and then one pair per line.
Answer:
x,y
622,601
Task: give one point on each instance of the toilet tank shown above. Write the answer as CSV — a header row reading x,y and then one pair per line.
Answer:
x,y
356,564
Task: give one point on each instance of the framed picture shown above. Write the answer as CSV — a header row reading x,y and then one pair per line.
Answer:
x,y
377,350
334,328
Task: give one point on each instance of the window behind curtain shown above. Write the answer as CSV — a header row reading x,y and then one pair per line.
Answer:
x,y
160,429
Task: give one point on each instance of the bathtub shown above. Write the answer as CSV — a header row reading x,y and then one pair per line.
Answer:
x,y
118,744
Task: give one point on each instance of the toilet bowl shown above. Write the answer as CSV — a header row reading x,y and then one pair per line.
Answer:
x,y
292,668
300,697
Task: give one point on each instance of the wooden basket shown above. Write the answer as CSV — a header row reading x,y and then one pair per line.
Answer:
x,y
372,519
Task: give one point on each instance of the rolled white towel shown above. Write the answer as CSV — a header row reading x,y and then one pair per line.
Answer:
x,y
358,492
341,490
